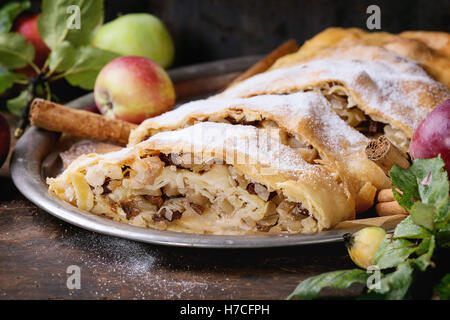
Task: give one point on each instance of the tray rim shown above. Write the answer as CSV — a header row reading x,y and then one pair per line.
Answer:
x,y
27,175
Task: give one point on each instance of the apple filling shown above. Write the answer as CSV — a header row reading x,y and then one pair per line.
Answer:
x,y
180,196
347,109
236,116
296,142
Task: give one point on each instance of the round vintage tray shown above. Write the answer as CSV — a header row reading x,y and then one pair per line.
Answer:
x,y
37,147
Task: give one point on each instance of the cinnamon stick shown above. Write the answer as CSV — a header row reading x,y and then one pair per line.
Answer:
x,y
265,63
54,117
389,209
386,195
385,154
385,222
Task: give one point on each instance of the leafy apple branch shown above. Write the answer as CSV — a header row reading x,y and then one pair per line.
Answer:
x,y
413,260
71,57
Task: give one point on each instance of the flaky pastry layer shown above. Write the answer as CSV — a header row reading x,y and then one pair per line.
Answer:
x,y
430,50
385,87
211,178
307,124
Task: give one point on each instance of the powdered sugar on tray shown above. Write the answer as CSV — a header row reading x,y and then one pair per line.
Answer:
x,y
130,257
132,264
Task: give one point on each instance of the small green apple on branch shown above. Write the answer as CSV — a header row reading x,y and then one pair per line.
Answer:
x,y
71,56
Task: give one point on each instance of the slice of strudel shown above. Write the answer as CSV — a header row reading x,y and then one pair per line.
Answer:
x,y
211,178
431,50
306,124
372,89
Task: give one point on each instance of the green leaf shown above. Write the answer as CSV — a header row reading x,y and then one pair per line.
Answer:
x,y
310,288
391,253
62,58
15,105
442,218
425,252
432,181
443,237
405,180
423,215
443,288
424,180
407,229
9,12
7,79
15,52
55,21
425,245
394,286
88,63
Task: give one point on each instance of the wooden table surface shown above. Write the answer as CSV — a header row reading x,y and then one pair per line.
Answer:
x,y
36,249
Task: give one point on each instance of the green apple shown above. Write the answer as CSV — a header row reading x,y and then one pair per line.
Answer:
x,y
133,89
137,34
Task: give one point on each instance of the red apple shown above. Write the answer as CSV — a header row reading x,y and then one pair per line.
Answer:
x,y
4,139
432,136
27,26
133,89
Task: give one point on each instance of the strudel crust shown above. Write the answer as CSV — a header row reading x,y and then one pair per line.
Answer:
x,y
281,152
267,188
438,41
307,124
387,88
431,50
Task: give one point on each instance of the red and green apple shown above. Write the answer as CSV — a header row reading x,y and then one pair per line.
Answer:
x,y
133,89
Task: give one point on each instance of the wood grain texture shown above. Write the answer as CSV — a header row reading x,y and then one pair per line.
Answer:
x,y
36,249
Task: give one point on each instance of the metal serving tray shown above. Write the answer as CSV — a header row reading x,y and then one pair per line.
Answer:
x,y
37,147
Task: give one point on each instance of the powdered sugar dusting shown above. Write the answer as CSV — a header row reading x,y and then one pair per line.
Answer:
x,y
131,257
310,106
394,91
129,261
259,145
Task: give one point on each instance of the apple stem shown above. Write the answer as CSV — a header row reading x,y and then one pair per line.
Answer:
x,y
18,81
46,64
35,67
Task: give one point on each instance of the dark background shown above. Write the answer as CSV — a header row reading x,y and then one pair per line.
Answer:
x,y
215,29
206,30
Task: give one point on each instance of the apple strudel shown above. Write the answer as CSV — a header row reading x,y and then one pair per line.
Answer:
x,y
305,123
211,178
372,89
431,50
